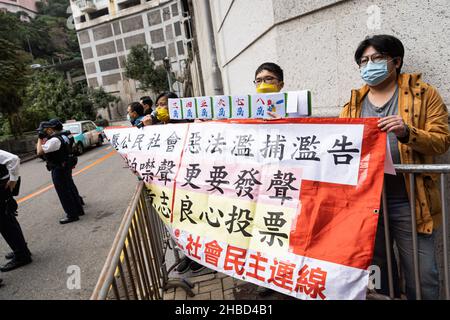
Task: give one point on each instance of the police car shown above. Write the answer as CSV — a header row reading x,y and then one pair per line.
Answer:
x,y
85,133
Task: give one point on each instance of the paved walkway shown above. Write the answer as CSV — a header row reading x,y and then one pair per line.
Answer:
x,y
218,286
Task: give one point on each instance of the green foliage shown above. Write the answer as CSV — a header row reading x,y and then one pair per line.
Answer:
x,y
13,78
24,102
44,37
54,8
100,98
49,96
141,67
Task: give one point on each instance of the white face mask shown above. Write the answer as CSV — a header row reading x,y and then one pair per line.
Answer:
x,y
128,117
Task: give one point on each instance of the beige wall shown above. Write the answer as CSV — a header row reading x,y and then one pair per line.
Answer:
x,y
314,42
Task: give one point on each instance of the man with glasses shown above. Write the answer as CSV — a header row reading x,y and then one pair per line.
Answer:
x,y
415,118
269,79
135,113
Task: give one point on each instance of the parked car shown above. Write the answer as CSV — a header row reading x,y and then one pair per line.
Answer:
x,y
85,133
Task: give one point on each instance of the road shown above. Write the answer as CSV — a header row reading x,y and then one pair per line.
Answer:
x,y
61,252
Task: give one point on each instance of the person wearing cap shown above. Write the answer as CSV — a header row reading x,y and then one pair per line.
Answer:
x,y
9,226
55,146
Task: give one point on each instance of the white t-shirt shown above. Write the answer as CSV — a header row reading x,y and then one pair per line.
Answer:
x,y
12,163
51,145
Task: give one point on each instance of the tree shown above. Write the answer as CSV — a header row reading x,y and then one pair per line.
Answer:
x,y
44,37
13,79
49,96
141,67
100,98
54,8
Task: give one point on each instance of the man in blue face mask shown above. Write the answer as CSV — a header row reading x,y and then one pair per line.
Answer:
x,y
416,121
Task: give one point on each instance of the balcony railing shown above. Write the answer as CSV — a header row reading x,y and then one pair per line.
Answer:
x,y
86,5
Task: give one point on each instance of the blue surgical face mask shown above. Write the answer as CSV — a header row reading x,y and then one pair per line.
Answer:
x,y
128,117
375,73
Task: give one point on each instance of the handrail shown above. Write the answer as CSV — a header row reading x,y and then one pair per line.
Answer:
x,y
422,168
411,170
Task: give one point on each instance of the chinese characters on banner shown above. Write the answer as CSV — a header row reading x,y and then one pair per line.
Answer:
x,y
291,204
291,104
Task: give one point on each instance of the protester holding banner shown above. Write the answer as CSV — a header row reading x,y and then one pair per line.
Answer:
x,y
135,113
147,104
161,113
161,116
416,121
269,79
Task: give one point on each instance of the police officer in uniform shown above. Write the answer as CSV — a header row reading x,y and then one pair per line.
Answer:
x,y
55,146
9,226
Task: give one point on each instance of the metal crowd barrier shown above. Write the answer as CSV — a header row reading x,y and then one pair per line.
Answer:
x,y
135,268
412,170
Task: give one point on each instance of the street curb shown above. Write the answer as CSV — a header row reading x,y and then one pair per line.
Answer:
x,y
27,157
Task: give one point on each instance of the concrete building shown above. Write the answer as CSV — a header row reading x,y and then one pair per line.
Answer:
x,y
314,42
28,6
108,29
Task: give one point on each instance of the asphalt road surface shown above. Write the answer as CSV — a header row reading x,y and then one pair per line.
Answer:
x,y
62,252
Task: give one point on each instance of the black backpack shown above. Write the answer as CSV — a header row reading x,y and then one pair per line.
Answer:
x,y
71,157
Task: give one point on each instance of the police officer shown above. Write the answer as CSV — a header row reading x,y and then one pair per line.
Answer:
x,y
9,226
56,147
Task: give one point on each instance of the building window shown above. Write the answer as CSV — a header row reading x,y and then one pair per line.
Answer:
x,y
131,24
128,4
154,17
159,53
119,44
116,27
177,27
93,83
180,48
102,32
174,10
81,19
83,37
105,48
134,40
122,61
172,52
108,64
90,68
169,32
111,79
157,35
98,14
87,53
166,13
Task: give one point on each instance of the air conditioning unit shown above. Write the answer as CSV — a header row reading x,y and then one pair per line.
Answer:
x,y
86,5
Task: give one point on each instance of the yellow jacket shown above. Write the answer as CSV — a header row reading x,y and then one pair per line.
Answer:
x,y
422,109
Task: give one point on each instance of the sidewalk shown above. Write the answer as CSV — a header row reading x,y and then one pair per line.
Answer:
x,y
213,285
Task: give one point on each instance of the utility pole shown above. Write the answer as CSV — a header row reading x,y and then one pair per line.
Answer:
x,y
167,67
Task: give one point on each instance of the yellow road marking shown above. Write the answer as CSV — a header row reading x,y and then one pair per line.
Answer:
x,y
34,194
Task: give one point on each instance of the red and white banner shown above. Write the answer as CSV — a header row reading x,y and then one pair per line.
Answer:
x,y
290,204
